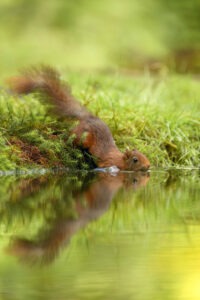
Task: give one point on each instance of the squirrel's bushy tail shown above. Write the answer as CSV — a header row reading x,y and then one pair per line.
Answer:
x,y
46,81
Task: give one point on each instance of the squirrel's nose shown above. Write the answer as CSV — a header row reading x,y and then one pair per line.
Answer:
x,y
145,168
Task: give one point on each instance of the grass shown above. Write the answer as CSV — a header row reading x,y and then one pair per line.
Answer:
x,y
157,115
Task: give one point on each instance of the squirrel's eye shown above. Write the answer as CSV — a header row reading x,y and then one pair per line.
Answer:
x,y
135,159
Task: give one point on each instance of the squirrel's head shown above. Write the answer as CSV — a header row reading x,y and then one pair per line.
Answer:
x,y
135,161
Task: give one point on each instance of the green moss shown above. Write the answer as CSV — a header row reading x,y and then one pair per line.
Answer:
x,y
158,116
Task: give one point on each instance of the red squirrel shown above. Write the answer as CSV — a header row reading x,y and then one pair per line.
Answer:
x,y
91,133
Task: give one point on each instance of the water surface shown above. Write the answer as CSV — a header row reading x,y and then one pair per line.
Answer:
x,y
100,236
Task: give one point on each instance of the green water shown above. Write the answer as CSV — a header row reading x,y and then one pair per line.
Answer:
x,y
100,236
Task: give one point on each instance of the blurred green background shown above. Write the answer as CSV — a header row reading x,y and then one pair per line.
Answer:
x,y
155,35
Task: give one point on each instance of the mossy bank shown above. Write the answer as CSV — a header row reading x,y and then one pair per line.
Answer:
x,y
157,115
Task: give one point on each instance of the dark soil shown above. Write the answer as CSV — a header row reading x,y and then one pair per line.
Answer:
x,y
28,153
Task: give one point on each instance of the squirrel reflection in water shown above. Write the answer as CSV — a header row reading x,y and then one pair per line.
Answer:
x,y
90,203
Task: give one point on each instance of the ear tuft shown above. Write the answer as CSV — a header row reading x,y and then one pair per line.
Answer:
x,y
127,154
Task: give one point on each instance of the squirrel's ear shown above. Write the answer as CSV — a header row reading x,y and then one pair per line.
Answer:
x,y
127,154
